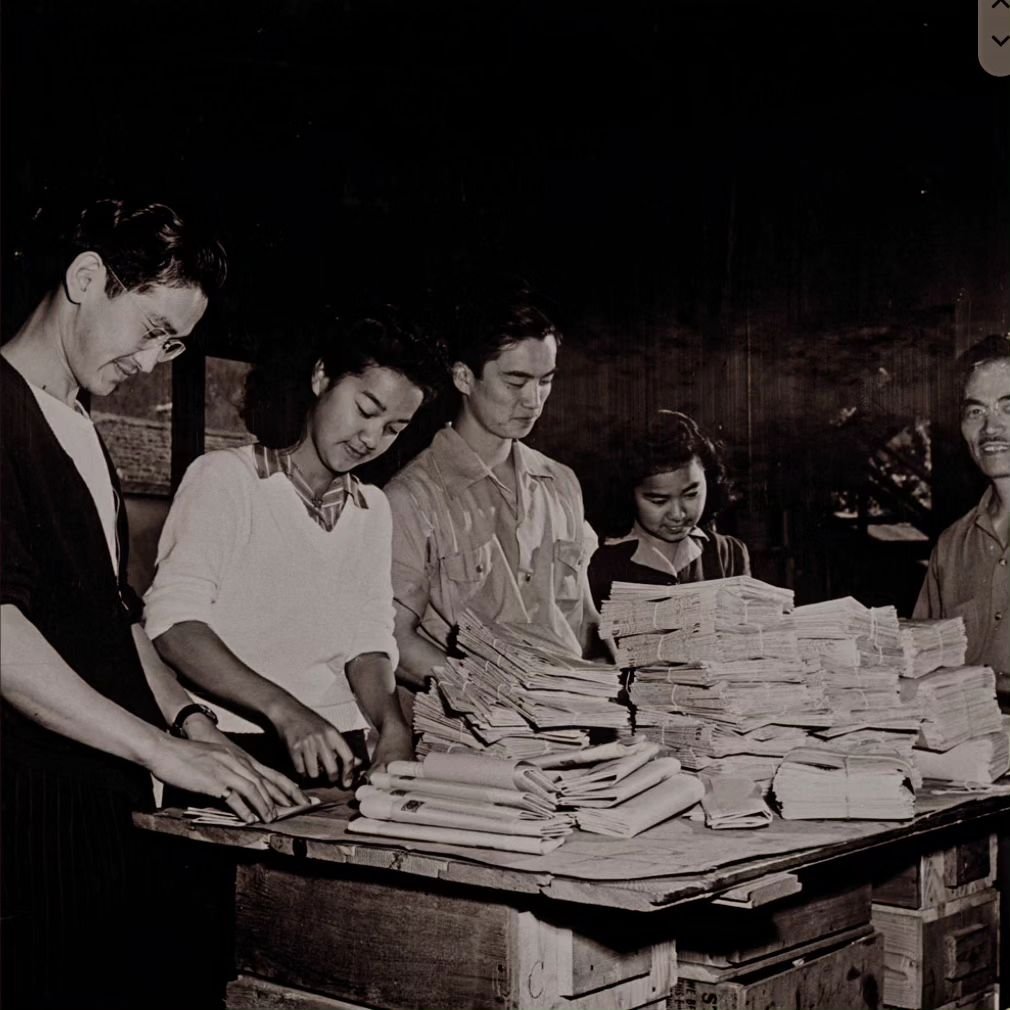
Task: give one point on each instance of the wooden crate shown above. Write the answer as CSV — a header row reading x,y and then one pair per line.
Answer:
x,y
987,1000
940,875
320,936
939,955
725,938
848,978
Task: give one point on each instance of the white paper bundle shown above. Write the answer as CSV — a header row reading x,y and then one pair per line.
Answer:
x,y
453,836
777,642
702,607
929,644
980,761
873,630
465,792
734,801
821,782
705,674
476,769
629,757
445,812
726,699
612,794
955,704
757,768
668,798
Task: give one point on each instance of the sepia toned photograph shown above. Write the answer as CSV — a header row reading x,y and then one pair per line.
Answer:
x,y
505,505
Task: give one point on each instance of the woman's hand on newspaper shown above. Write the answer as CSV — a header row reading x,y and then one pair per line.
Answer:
x,y
227,772
314,744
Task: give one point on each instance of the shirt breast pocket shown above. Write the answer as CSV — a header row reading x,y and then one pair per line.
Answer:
x,y
467,571
569,562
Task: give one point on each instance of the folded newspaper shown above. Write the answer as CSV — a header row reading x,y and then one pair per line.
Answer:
x,y
821,782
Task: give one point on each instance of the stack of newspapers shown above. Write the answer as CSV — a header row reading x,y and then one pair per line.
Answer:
x,y
464,799
618,789
731,694
958,708
723,620
929,644
854,654
976,762
517,696
859,782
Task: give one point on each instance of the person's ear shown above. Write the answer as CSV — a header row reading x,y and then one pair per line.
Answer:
x,y
86,273
463,378
320,380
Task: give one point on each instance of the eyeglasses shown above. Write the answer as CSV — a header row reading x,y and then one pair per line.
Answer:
x,y
169,347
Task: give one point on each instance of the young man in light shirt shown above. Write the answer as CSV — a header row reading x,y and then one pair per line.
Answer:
x,y
480,520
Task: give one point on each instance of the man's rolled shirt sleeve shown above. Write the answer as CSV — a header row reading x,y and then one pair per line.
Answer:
x,y
410,569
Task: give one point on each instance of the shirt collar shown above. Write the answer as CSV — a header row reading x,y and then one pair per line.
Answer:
x,y
270,461
460,467
647,554
982,518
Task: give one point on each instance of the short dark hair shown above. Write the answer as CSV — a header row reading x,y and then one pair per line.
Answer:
x,y
278,393
148,244
995,347
669,441
496,312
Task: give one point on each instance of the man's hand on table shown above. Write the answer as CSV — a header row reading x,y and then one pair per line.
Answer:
x,y
314,744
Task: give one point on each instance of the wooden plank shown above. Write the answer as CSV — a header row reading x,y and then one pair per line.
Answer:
x,y
849,977
313,931
547,962
712,973
762,891
724,937
249,993
988,999
939,875
938,955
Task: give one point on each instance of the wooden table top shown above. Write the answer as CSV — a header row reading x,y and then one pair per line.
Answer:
x,y
814,843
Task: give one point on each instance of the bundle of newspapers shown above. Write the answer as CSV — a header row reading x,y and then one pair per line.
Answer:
x,y
859,782
617,789
976,762
723,620
855,655
929,644
517,697
955,705
729,697
504,733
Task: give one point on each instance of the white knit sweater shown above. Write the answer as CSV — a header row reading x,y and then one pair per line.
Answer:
x,y
293,601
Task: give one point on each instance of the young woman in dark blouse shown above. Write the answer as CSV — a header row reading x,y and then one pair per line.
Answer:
x,y
673,480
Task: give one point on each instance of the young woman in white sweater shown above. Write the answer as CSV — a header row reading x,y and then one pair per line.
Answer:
x,y
272,596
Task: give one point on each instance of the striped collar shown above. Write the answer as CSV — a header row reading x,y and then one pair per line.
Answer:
x,y
324,509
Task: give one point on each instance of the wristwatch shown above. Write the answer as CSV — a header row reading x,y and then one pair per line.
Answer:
x,y
194,708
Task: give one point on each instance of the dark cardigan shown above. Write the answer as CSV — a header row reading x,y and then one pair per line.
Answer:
x,y
721,557
54,566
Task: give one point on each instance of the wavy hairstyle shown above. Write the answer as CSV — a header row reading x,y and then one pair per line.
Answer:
x,y
496,312
670,441
278,391
149,244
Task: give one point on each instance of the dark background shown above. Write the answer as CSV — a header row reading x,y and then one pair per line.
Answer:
x,y
785,218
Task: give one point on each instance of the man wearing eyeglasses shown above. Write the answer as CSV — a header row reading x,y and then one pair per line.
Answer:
x,y
85,698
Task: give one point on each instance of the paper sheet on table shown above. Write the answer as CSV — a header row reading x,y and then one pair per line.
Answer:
x,y
462,791
608,772
609,794
734,802
476,769
382,806
454,836
217,815
672,796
